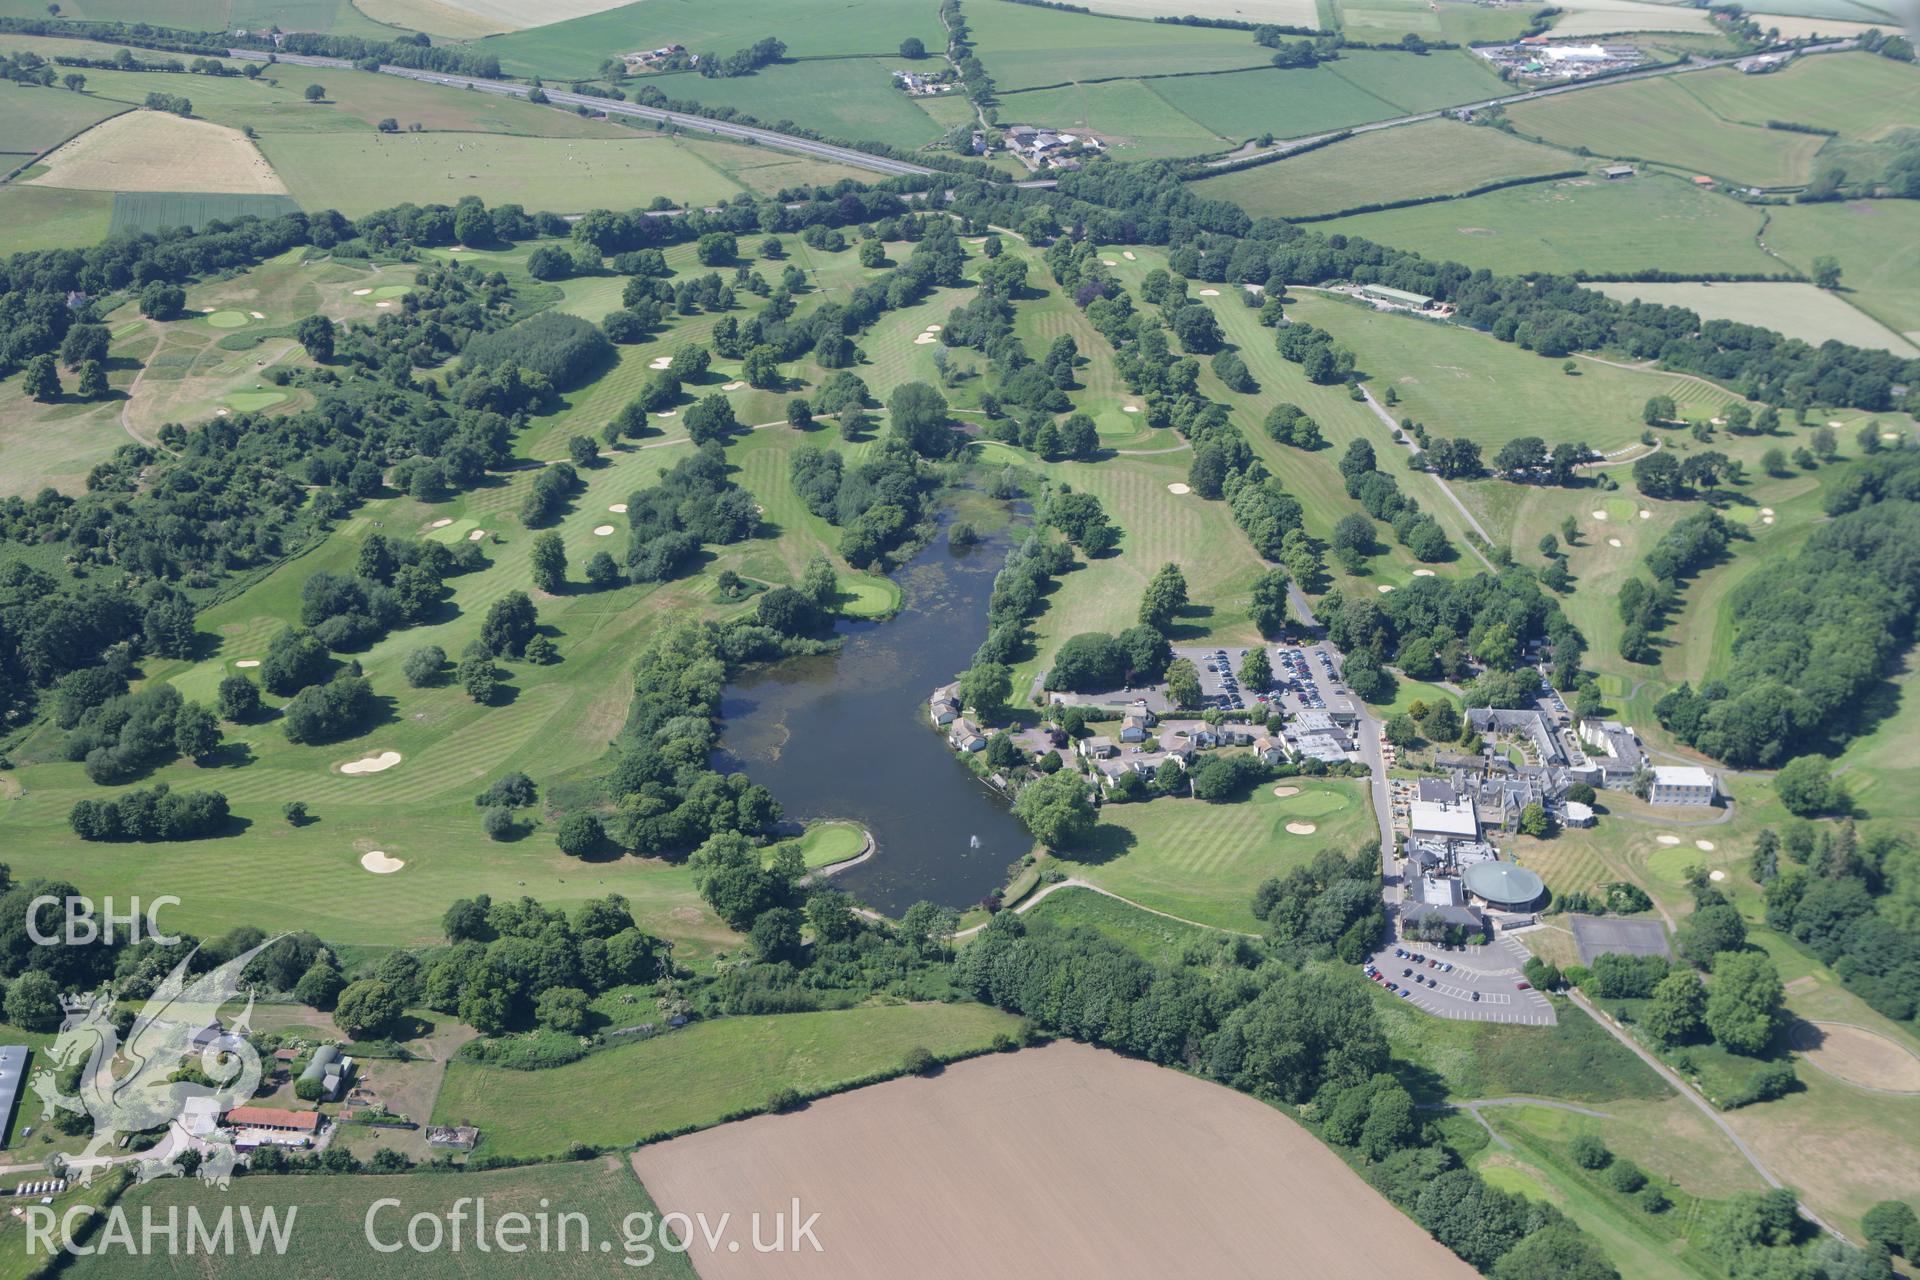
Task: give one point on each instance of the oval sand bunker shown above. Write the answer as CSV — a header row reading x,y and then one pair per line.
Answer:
x,y
1704,846
1668,840
441,523
1284,792
372,764
1177,488
379,863
618,508
247,662
476,535
1301,828
602,530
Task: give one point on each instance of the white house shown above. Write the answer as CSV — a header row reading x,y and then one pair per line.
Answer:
x,y
1682,784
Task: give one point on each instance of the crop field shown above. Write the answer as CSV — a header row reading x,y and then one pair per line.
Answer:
x,y
1579,224
850,98
700,1075
357,173
1384,21
338,17
1798,310
151,150
52,218
1660,120
1286,13
331,1221
1347,174
1201,861
152,210
1232,1182
1610,17
810,29
1024,47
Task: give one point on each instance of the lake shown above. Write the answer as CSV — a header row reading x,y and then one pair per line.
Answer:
x,y
846,735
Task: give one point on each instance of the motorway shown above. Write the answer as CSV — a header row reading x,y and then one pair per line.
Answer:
x,y
679,119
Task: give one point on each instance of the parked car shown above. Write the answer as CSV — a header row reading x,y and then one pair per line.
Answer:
x,y
1523,986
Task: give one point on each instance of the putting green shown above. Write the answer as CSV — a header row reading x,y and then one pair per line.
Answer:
x,y
390,291
227,319
865,596
1312,804
253,401
826,843
455,532
1621,508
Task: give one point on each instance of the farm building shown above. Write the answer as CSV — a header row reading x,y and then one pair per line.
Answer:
x,y
330,1069
1379,293
13,1074
1613,171
1682,784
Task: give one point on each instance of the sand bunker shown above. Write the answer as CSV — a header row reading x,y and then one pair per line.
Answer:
x,y
602,530
1613,542
666,413
372,764
1599,515
732,386
1423,573
1766,519
1704,846
476,535
1129,408
1209,293
925,339
935,328
258,315
1858,1056
1645,514
1127,254
1766,511
1108,262
1384,587
1668,840
248,662
221,413
1716,874
618,508
441,523
1301,828
383,304
1835,422
662,362
1284,792
380,863
1177,487
361,293
1889,435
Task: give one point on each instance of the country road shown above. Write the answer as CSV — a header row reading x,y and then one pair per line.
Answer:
x,y
701,124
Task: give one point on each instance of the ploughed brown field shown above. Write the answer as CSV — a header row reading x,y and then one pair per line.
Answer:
x,y
1063,1161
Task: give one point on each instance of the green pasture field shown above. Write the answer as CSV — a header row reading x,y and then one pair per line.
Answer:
x,y
1877,243
1590,18
1135,117
701,1075
1024,46
810,28
1801,311
849,98
1860,95
1662,120
40,118
52,217
1201,861
358,173
1652,220
336,17
152,210
1460,382
1151,937
1416,82
331,1222
1432,158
